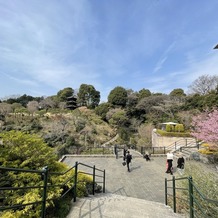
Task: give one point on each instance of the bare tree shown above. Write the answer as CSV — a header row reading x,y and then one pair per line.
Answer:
x,y
47,103
168,107
5,108
32,106
203,85
145,135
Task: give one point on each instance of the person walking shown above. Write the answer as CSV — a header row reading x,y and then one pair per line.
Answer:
x,y
170,163
181,164
124,153
128,160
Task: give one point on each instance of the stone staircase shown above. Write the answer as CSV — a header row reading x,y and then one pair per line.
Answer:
x,y
118,206
186,148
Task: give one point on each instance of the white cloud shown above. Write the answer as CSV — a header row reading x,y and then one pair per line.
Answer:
x,y
48,45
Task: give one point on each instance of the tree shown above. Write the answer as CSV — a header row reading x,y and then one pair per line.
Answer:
x,y
5,109
25,151
64,94
24,99
88,96
117,117
143,93
205,126
102,109
118,96
17,107
169,107
47,103
185,117
32,106
146,104
177,93
145,135
204,85
195,101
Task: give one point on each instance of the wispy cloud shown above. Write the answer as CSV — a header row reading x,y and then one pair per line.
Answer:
x,y
164,57
48,45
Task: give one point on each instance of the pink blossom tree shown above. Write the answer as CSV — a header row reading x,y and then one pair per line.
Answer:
x,y
205,126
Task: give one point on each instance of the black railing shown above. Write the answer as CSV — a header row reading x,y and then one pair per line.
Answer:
x,y
189,199
153,150
70,182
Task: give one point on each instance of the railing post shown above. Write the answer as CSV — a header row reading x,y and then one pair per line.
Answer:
x,y
164,150
191,202
75,181
104,183
93,184
166,191
174,194
45,178
198,145
175,146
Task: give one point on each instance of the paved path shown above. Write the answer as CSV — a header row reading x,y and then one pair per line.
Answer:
x,y
117,206
145,181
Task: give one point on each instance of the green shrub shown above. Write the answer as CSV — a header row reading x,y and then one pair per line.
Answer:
x,y
173,134
168,128
179,128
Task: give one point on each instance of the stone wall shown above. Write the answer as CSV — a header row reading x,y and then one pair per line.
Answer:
x,y
163,141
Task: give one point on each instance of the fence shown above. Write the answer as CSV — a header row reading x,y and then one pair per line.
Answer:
x,y
70,183
189,199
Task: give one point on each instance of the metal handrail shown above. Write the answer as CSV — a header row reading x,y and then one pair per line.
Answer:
x,y
45,173
194,196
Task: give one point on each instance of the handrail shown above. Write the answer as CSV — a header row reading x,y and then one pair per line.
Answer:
x,y
196,200
45,173
178,145
175,146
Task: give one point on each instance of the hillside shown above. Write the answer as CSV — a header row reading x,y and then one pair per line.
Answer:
x,y
65,131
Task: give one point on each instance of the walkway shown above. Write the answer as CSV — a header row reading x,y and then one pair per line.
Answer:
x,y
135,194
145,181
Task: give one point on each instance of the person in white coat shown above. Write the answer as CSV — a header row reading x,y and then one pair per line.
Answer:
x,y
170,163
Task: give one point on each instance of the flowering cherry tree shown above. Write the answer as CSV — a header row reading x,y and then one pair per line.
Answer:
x,y
206,126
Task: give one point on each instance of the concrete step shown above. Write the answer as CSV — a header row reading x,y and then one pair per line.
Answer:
x,y
186,153
118,206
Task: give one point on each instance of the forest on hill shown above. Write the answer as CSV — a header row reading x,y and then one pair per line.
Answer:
x,y
130,114
36,131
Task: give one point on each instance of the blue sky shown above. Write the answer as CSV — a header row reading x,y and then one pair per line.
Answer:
x,y
160,45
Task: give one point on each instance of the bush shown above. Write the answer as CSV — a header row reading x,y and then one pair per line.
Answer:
x,y
168,128
173,134
179,128
206,182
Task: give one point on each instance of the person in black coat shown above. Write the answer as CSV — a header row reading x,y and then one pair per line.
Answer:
x,y
170,163
128,160
124,154
181,164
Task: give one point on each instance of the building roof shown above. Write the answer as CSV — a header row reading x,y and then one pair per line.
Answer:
x,y
172,123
